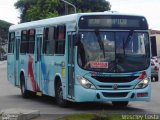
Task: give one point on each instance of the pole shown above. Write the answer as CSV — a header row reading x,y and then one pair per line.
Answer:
x,y
66,9
75,11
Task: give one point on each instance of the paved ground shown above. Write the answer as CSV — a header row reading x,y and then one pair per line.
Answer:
x,y
3,62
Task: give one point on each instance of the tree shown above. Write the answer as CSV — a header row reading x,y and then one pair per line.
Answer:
x,y
40,9
4,26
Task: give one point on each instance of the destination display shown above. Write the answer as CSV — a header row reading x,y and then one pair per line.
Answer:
x,y
113,22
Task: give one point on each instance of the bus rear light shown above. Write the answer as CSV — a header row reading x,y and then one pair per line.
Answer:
x,y
142,94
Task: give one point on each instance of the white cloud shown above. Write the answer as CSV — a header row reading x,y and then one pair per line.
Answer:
x,y
8,11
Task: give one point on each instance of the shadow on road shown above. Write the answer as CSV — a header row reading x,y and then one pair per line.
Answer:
x,y
83,107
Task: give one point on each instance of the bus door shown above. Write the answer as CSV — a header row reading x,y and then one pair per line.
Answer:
x,y
16,57
70,65
38,51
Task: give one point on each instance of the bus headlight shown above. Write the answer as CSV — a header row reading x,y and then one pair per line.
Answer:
x,y
142,84
85,83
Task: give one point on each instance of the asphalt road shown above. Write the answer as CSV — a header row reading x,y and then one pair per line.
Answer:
x,y
10,98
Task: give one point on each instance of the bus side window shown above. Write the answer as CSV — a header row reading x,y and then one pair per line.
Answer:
x,y
60,39
31,42
24,42
48,44
11,42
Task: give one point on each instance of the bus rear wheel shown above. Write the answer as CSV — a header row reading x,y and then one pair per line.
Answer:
x,y
24,92
59,95
120,103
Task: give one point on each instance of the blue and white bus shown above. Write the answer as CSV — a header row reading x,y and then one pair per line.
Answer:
x,y
83,57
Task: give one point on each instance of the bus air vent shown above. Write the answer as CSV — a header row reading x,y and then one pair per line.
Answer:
x,y
120,94
115,79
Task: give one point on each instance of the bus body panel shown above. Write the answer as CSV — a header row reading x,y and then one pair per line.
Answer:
x,y
82,94
51,68
10,68
85,95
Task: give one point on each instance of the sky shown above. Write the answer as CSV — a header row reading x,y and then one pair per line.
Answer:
x,y
149,8
8,12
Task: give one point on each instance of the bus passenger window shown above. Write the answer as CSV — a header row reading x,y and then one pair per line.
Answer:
x,y
60,39
24,42
48,44
31,40
11,42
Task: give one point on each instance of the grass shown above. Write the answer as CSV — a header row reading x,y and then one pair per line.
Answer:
x,y
90,117
105,117
77,117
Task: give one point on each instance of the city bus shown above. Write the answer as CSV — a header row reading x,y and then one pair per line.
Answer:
x,y
82,57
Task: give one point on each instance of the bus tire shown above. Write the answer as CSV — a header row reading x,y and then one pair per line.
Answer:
x,y
59,94
120,103
24,92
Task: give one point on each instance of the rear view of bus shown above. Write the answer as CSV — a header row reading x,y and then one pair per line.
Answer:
x,y
113,59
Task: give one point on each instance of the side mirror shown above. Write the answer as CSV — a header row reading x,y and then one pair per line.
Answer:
x,y
76,39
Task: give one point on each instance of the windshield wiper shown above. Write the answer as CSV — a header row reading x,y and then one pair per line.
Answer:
x,y
101,44
124,53
129,37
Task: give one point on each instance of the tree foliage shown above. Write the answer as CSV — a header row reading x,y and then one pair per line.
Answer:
x,y
39,9
4,26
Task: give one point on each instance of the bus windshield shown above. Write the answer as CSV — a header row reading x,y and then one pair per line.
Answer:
x,y
114,51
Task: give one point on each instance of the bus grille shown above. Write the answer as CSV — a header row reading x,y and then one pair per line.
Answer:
x,y
115,79
111,86
121,94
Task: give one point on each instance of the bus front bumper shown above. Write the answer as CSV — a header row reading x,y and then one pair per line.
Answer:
x,y
90,95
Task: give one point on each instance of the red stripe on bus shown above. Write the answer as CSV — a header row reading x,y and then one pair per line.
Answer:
x,y
31,74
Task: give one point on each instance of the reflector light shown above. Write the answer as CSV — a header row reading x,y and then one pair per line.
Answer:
x,y
142,94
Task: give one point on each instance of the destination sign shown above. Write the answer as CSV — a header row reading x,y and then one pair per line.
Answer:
x,y
113,22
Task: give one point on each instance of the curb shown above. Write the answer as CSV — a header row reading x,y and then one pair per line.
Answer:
x,y
18,114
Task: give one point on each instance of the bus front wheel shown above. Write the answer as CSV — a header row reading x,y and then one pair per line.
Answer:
x,y
120,103
59,95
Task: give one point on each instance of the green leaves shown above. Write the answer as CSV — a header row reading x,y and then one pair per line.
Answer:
x,y
4,29
40,9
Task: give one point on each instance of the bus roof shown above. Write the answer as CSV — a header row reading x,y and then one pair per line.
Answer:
x,y
60,20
